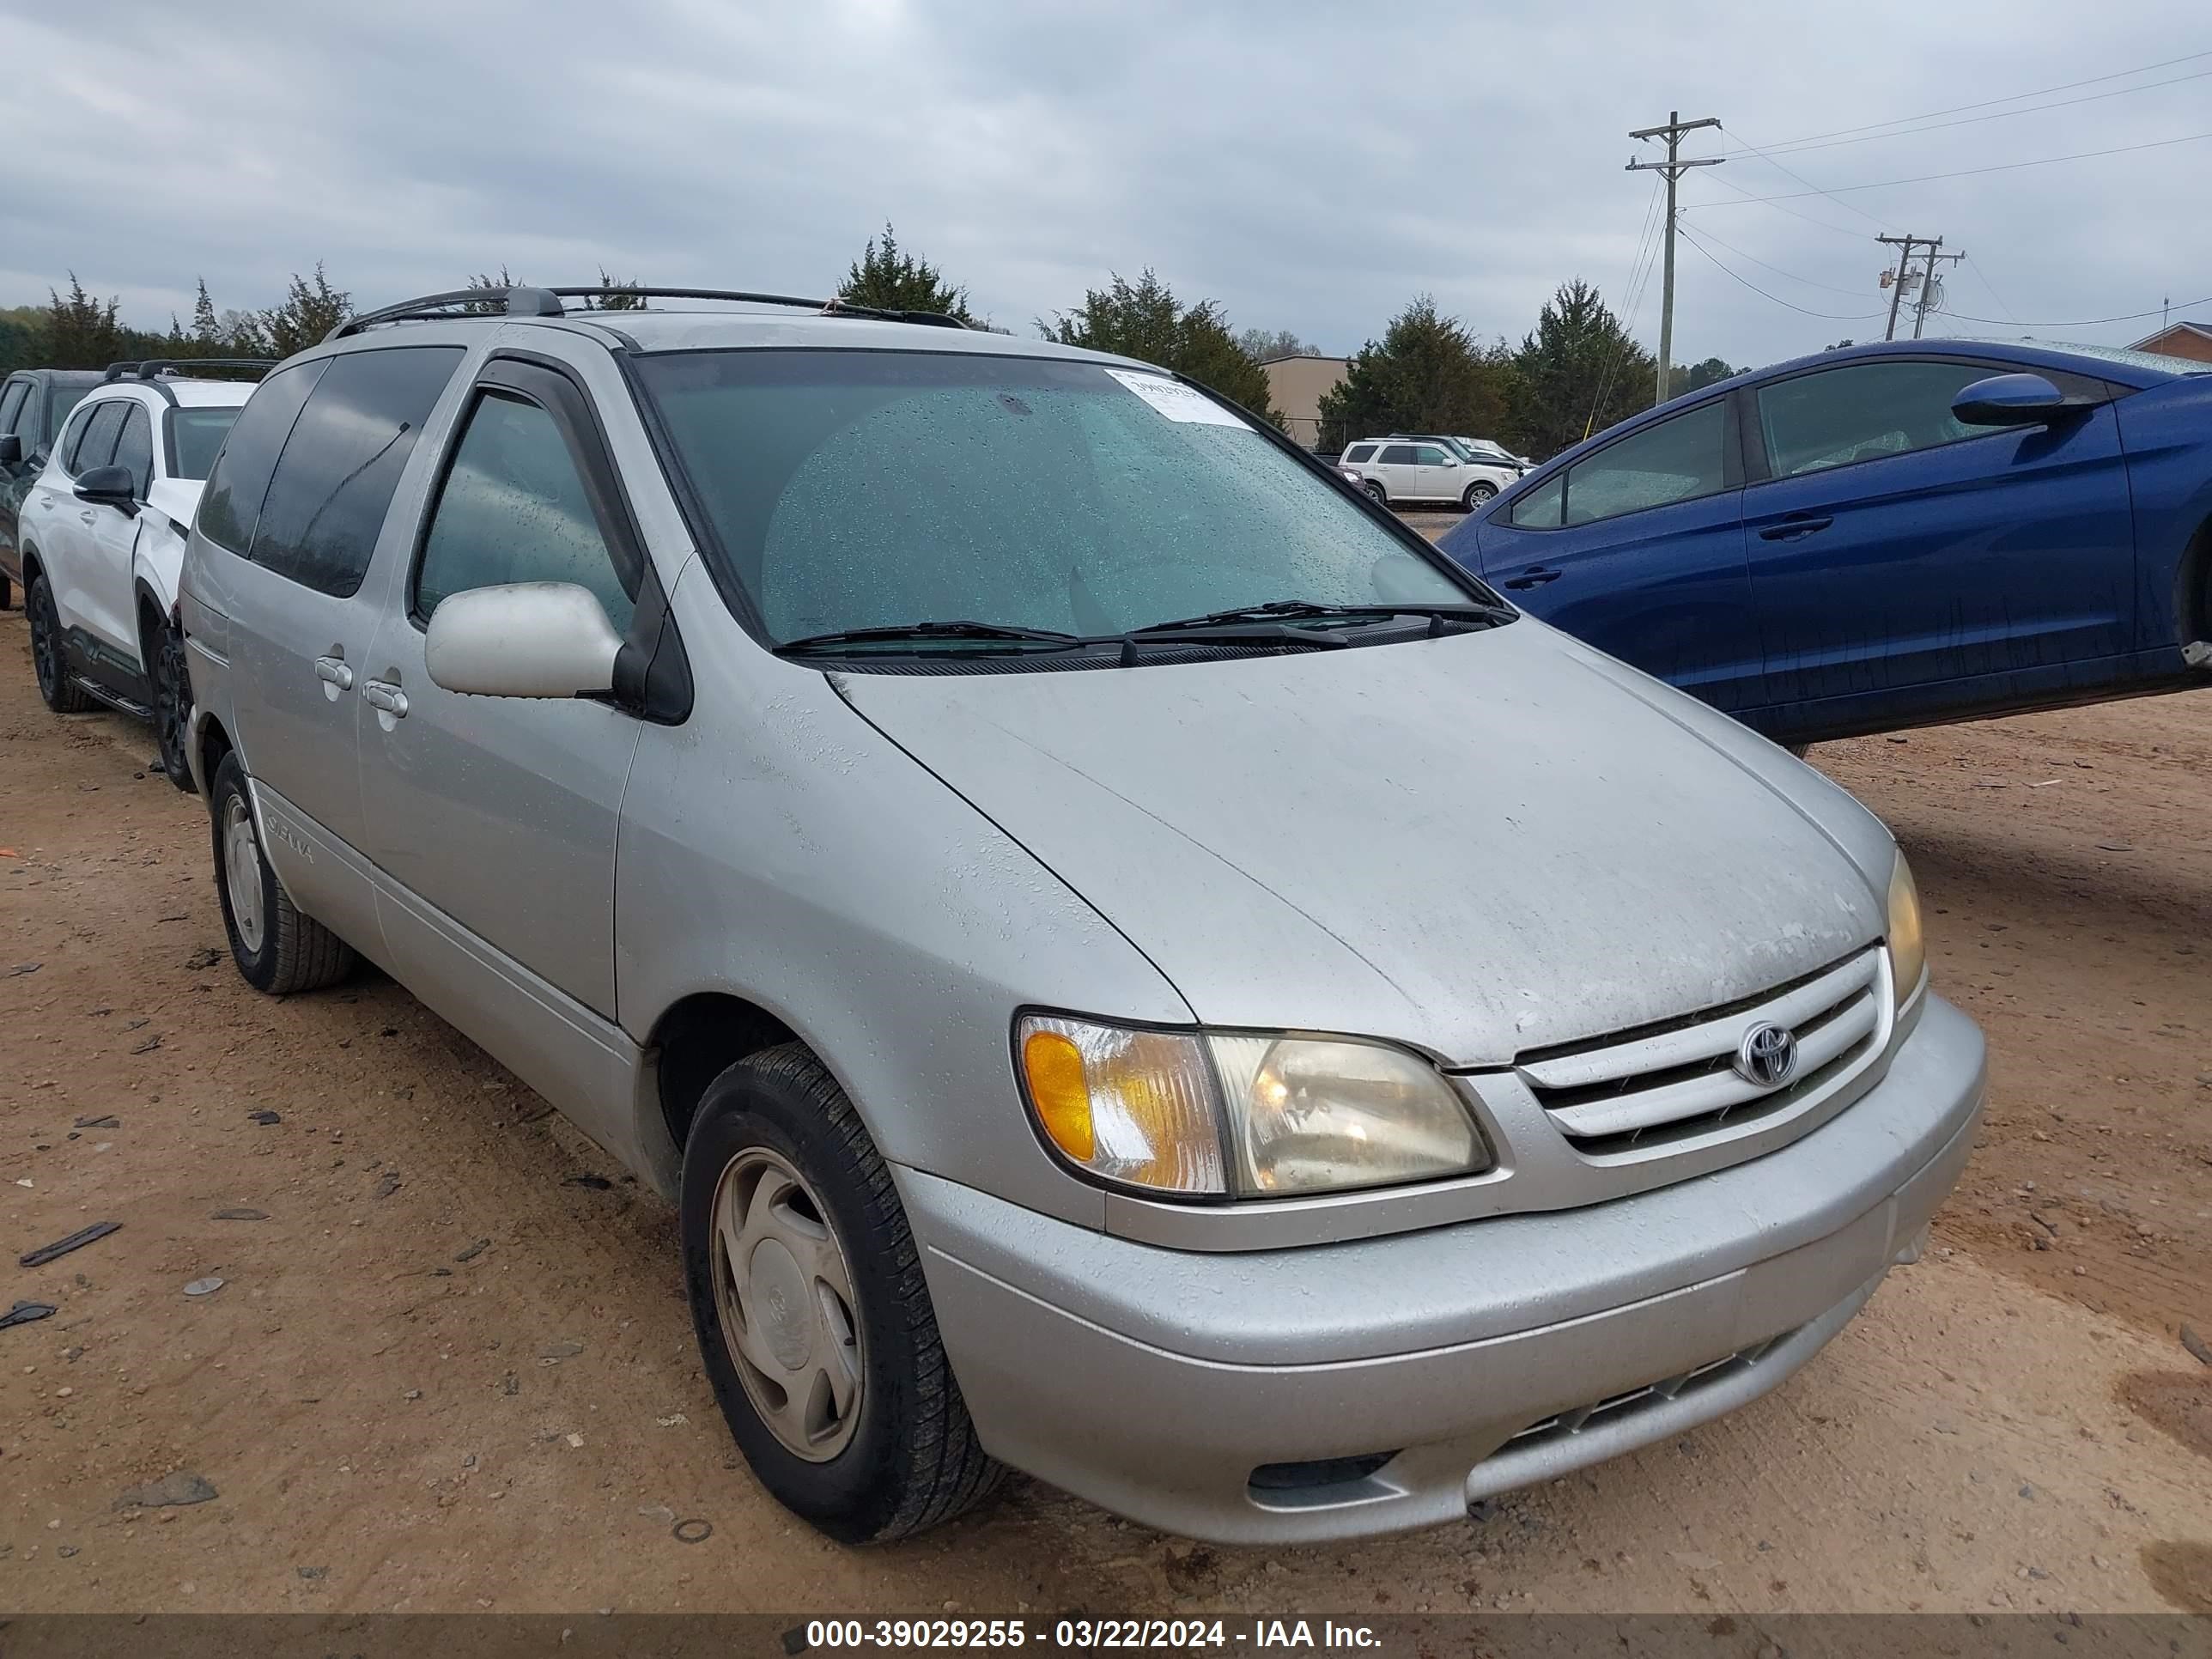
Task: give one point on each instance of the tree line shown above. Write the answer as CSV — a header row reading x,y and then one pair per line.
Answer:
x,y
1577,371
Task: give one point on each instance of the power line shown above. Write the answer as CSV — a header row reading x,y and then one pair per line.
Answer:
x,y
1857,236
1832,316
1639,277
1849,207
1968,173
1988,288
1848,293
1991,103
2081,322
1968,120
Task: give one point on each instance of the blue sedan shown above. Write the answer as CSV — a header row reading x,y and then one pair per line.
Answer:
x,y
1885,536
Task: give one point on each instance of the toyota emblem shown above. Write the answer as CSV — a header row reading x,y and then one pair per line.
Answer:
x,y
1767,1057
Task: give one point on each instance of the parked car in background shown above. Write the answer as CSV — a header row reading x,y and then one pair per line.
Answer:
x,y
1487,449
908,883
1404,471
1885,536
102,534
33,403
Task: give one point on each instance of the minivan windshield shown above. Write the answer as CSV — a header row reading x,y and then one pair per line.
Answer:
x,y
856,489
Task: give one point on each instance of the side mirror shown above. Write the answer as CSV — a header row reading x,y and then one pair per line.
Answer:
x,y
107,486
11,449
2009,400
522,640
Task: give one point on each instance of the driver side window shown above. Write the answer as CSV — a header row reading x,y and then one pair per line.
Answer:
x,y
515,509
1862,412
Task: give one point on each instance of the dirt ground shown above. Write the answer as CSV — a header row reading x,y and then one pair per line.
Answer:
x,y
449,1366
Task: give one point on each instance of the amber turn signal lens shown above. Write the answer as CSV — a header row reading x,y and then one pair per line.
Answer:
x,y
1054,1066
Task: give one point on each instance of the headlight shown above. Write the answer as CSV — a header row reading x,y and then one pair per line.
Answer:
x,y
1908,949
1252,1116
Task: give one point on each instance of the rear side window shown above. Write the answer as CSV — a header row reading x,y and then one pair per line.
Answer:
x,y
1359,453
327,499
60,399
11,404
94,439
1677,460
196,438
233,502
134,449
1540,508
515,509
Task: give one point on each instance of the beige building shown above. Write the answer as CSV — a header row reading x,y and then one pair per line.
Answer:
x,y
1296,386
2182,340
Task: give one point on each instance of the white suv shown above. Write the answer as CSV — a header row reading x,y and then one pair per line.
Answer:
x,y
1397,471
102,535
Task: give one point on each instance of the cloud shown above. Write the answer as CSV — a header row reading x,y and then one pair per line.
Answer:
x,y
1310,167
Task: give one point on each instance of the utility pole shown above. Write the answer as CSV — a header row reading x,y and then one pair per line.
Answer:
x,y
1925,300
1672,168
1904,245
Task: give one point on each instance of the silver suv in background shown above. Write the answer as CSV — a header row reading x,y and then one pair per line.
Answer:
x,y
1153,976
1404,471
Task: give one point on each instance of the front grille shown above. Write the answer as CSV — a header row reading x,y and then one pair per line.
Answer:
x,y
1561,1425
1677,1080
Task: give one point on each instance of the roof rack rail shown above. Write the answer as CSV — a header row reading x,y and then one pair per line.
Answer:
x,y
546,303
154,367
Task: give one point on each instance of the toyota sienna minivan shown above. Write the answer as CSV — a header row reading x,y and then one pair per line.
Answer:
x,y
1131,966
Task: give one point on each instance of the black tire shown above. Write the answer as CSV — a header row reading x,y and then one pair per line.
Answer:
x,y
1477,494
911,1460
6,594
279,951
1379,495
48,660
172,699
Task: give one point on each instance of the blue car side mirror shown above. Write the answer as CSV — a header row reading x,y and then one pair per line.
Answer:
x,y
2011,400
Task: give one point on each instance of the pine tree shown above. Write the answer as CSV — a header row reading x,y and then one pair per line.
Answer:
x,y
81,332
1143,320
311,310
887,277
1425,374
1579,371
206,337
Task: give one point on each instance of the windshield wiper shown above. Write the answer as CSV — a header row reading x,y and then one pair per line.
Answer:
x,y
925,633
1472,612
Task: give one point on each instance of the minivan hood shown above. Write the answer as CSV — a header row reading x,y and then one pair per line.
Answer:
x,y
1480,844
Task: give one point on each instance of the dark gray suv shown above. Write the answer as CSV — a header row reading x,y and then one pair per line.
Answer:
x,y
33,403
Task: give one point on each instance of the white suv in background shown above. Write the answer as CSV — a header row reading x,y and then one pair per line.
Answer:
x,y
102,535
1397,471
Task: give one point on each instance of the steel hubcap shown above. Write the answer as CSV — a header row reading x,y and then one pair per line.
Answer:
x,y
241,859
784,1294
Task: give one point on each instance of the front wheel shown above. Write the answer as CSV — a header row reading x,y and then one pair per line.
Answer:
x,y
813,1319
276,949
1477,494
63,694
172,702
1376,494
6,594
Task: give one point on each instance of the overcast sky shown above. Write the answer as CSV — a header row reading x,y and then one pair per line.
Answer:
x,y
1310,167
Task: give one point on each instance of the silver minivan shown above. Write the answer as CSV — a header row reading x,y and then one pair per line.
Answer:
x,y
1130,965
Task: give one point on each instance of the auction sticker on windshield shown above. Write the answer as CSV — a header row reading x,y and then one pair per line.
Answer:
x,y
1175,400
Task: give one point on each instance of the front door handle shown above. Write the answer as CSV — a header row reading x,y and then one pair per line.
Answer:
x,y
87,518
1535,576
384,696
333,671
1790,529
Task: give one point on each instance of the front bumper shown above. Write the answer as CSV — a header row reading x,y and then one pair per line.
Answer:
x,y
1483,1356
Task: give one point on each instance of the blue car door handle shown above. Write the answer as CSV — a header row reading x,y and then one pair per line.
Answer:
x,y
1535,576
1791,528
